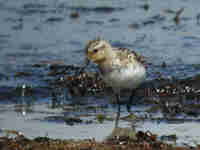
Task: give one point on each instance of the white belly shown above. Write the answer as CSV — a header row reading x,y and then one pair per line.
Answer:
x,y
125,78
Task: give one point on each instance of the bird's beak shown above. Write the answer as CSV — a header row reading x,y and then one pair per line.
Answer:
x,y
89,54
88,58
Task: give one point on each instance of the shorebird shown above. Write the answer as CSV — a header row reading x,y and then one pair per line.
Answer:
x,y
120,68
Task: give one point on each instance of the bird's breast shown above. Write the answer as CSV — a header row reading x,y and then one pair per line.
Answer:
x,y
125,77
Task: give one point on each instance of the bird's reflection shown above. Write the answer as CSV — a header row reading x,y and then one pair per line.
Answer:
x,y
118,133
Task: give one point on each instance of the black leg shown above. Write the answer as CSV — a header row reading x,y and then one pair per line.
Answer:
x,y
117,119
128,106
118,111
118,101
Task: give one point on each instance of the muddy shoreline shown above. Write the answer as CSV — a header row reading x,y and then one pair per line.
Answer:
x,y
142,141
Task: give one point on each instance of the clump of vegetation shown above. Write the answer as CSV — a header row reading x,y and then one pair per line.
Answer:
x,y
101,118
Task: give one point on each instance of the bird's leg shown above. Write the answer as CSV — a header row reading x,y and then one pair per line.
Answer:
x,y
118,101
128,106
118,111
117,119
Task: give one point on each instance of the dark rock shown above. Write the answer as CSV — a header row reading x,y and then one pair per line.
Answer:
x,y
74,15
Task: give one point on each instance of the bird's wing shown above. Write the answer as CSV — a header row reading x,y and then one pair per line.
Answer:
x,y
126,56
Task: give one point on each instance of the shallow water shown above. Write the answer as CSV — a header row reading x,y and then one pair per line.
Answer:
x,y
42,30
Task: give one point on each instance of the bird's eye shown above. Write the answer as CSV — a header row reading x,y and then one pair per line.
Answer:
x,y
95,50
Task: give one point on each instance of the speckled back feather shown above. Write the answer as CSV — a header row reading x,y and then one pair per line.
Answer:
x,y
126,54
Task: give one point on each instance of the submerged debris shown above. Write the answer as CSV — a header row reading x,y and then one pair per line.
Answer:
x,y
149,21
164,65
145,6
100,9
198,19
85,83
54,19
76,80
177,17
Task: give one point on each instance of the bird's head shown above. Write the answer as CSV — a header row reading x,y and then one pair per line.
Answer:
x,y
97,50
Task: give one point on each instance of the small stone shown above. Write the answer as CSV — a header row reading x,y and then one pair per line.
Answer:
x,y
74,15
